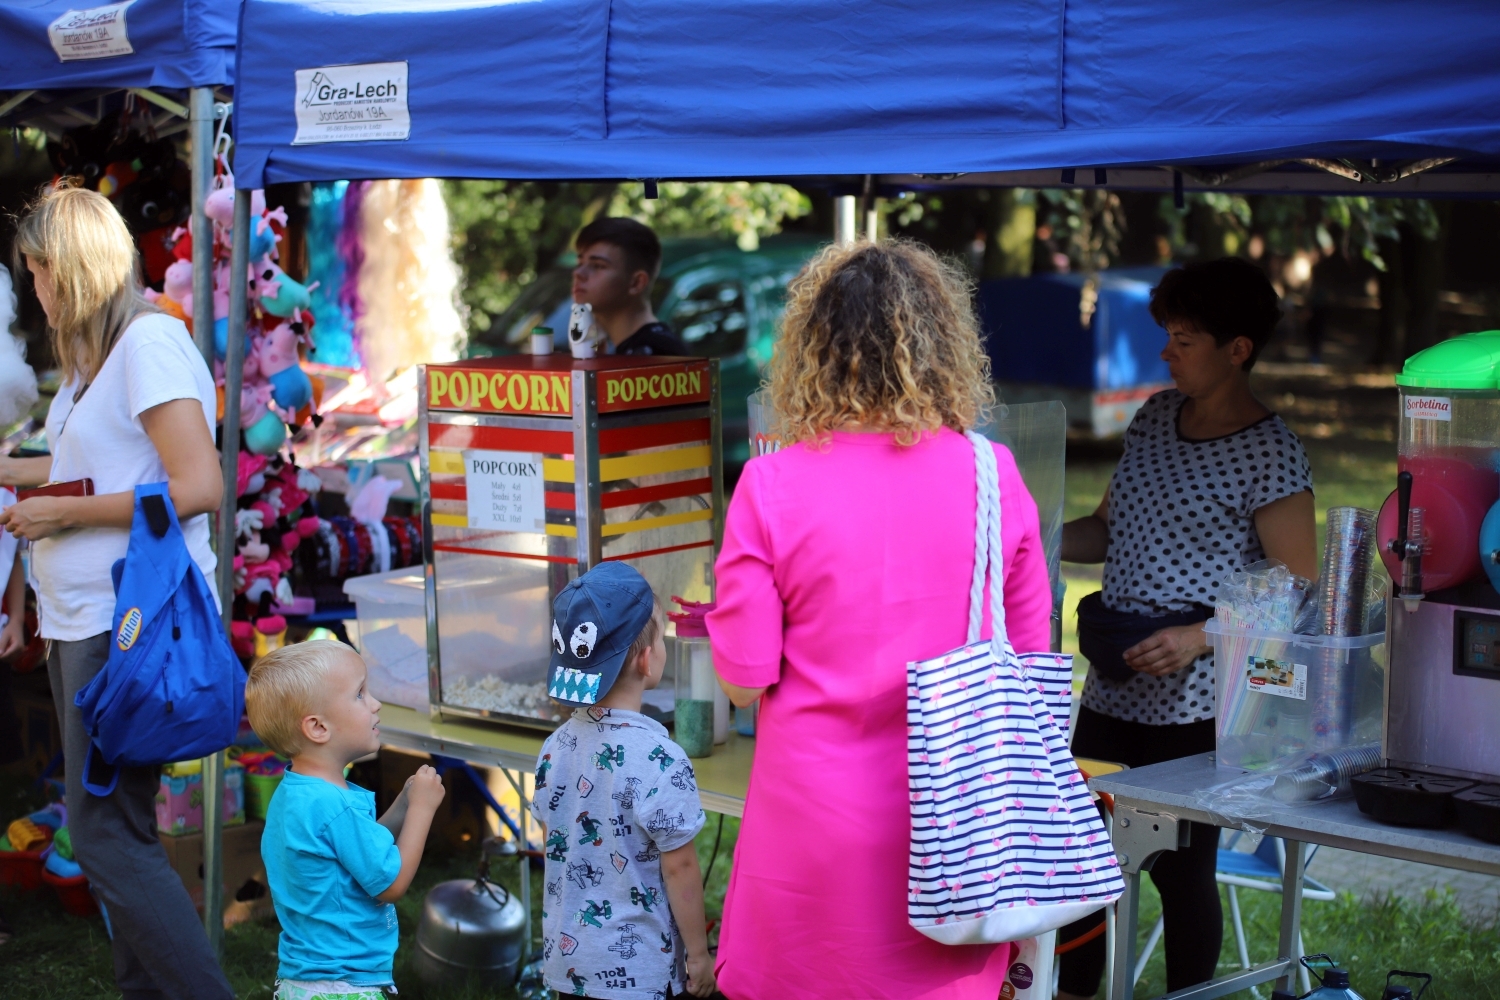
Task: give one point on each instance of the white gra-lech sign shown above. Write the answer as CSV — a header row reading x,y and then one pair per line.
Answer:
x,y
505,490
352,103
96,33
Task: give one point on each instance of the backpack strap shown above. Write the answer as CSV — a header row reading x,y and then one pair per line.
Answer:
x,y
91,786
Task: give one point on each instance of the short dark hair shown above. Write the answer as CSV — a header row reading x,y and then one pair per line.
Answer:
x,y
1225,298
638,242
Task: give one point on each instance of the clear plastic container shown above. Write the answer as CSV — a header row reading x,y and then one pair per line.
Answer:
x,y
697,692
1282,696
392,612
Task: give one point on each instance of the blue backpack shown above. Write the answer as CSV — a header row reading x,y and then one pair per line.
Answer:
x,y
172,688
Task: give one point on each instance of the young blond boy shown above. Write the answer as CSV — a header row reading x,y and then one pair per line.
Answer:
x,y
334,870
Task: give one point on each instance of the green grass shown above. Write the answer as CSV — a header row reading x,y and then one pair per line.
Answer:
x,y
1369,937
55,956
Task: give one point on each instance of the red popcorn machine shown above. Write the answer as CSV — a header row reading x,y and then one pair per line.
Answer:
x,y
534,469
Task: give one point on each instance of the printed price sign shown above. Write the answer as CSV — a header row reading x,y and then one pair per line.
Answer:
x,y
1277,677
505,490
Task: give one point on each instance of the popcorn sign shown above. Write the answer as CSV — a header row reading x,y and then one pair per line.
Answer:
x,y
1429,408
667,385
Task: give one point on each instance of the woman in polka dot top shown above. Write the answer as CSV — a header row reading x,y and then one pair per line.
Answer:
x,y
1210,481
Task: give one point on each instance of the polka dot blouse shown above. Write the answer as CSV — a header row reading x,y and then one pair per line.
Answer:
x,y
1181,518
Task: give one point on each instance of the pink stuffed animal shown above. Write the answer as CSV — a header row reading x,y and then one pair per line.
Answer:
x,y
178,285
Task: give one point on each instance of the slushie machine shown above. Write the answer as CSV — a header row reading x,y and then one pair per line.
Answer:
x,y
1439,535
536,468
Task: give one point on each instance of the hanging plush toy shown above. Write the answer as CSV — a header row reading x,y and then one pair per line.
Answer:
x,y
278,362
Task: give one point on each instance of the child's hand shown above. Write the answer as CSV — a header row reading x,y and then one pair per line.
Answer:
x,y
700,970
425,789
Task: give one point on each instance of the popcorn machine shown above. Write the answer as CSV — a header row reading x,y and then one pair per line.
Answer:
x,y
535,468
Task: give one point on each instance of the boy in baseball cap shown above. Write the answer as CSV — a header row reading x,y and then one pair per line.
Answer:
x,y
623,916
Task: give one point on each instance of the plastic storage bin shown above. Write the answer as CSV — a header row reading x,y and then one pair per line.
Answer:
x,y
1282,696
21,870
392,609
73,892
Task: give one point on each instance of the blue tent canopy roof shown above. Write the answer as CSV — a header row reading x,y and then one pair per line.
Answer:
x,y
177,44
680,88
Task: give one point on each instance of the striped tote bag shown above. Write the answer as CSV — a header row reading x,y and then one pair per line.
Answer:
x,y
1006,842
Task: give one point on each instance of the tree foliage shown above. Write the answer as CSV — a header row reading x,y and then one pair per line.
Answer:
x,y
505,233
740,210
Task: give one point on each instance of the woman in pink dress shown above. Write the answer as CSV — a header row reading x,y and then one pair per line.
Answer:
x,y
846,555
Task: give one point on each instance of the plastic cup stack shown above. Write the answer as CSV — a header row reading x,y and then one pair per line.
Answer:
x,y
1347,555
1325,773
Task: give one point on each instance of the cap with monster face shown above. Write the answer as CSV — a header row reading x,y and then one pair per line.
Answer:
x,y
594,620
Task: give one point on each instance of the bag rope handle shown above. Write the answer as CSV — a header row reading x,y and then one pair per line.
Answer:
x,y
988,558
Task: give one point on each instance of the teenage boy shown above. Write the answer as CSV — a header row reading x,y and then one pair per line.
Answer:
x,y
618,261
622,918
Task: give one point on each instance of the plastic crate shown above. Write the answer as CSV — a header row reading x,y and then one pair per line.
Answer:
x,y
1281,696
392,610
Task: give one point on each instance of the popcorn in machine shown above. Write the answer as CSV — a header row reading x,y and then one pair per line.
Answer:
x,y
535,468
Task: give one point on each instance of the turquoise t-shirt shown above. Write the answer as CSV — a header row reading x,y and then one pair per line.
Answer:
x,y
326,859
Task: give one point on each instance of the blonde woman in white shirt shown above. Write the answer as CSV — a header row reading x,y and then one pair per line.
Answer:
x,y
137,405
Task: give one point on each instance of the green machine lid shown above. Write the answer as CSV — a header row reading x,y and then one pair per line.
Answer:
x,y
1470,361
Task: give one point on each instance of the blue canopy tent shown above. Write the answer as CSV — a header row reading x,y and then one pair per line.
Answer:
x,y
58,65
773,88
178,44
1320,96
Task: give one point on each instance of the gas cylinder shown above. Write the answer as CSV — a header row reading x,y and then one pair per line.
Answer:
x,y
471,928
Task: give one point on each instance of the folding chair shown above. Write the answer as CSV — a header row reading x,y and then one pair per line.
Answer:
x,y
1260,869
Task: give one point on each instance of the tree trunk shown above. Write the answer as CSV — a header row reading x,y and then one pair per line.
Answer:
x,y
1010,228
1424,267
1390,346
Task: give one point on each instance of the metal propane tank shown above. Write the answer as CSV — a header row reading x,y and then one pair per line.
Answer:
x,y
471,928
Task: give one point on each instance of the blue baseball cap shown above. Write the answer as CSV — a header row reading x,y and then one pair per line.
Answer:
x,y
594,620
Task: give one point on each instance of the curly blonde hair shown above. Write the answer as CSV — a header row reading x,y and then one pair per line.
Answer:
x,y
883,336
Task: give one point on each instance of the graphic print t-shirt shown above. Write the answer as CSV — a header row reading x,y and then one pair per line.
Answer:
x,y
614,792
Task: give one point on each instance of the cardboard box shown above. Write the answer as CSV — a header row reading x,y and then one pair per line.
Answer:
x,y
179,800
41,739
241,860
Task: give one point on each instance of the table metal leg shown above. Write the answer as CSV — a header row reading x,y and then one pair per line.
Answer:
x,y
525,810
1291,911
1139,836
1127,916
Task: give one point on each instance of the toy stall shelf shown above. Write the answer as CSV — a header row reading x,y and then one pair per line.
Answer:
x,y
536,468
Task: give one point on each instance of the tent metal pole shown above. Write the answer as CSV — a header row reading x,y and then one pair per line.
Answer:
x,y
201,121
845,219
234,377
213,767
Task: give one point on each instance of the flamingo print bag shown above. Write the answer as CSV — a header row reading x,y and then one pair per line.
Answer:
x,y
1006,842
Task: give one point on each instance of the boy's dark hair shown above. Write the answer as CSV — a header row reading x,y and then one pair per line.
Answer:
x,y
648,635
637,241
1225,298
